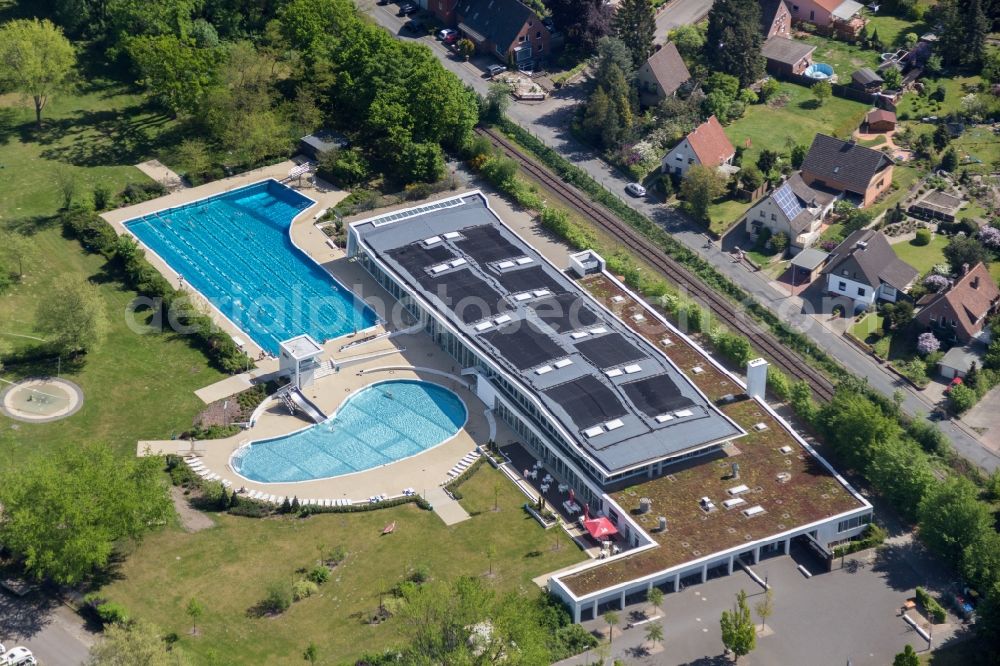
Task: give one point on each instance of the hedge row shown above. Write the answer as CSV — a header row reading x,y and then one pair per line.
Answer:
x,y
452,486
124,255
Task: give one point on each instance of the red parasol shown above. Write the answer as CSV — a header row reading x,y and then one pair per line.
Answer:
x,y
572,495
600,528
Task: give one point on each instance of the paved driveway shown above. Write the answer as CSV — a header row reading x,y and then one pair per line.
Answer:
x,y
54,633
678,13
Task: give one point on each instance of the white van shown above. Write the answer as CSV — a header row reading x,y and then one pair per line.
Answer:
x,y
19,656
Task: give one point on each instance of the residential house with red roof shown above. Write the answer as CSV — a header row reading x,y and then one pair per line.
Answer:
x,y
959,313
707,145
775,18
840,16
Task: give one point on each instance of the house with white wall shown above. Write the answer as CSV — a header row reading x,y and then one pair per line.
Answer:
x,y
794,209
707,145
865,269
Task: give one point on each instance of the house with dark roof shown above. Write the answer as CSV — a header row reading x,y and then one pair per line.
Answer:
x,y
444,10
866,79
661,75
793,209
507,29
775,18
707,145
958,313
786,57
862,174
840,16
865,269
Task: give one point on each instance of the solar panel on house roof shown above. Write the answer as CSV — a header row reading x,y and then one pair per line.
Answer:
x,y
564,312
526,279
787,201
485,244
609,350
523,344
587,401
656,395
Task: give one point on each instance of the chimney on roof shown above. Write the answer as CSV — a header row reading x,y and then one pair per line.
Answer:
x,y
965,269
861,245
756,377
974,283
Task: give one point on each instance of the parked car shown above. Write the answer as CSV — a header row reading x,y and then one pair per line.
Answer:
x,y
19,656
415,26
408,8
635,189
495,70
952,384
447,33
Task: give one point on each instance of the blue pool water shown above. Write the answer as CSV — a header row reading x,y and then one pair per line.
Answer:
x,y
379,424
235,249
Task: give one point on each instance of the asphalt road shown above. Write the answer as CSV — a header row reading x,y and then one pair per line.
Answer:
x,y
678,13
54,633
550,121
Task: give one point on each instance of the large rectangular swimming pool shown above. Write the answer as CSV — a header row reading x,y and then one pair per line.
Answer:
x,y
236,250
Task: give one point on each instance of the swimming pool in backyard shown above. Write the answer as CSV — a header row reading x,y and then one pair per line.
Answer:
x,y
380,424
235,249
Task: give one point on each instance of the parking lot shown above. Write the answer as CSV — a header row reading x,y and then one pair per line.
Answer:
x,y
825,620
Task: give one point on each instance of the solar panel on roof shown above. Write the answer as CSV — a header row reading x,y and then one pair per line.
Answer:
x,y
656,395
609,350
787,201
564,312
416,258
523,344
528,279
462,292
485,244
587,401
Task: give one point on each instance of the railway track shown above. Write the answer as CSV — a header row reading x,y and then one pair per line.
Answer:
x,y
789,361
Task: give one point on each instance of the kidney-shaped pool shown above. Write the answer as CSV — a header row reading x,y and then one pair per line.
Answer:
x,y
380,424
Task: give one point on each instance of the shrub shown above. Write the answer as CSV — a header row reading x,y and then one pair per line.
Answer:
x,y
103,197
112,612
922,238
138,192
319,574
930,604
927,343
277,601
344,167
961,398
302,589
936,282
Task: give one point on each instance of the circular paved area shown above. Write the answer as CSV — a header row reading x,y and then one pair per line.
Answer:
x,y
41,400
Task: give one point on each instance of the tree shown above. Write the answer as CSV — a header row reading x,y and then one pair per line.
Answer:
x,y
977,30
73,317
941,137
655,597
611,619
195,609
981,560
765,607
497,101
311,653
700,187
951,517
949,160
174,71
897,315
767,161
635,24
491,554
584,22
611,51
689,40
927,343
14,247
36,60
136,643
962,398
821,91
907,657
964,251
466,48
654,633
68,512
733,40
738,631
892,78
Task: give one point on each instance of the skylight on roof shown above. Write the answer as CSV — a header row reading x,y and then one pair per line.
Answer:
x,y
638,318
541,292
483,326
544,370
614,373
594,432
522,297
523,260
663,418
452,235
505,264
598,331
614,424
455,263
632,369
753,511
440,268
684,413
433,240
563,363
578,334
502,319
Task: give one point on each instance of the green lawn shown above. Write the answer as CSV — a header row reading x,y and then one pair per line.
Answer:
x,y
923,258
843,57
892,29
915,106
230,567
795,122
978,149
135,386
725,212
